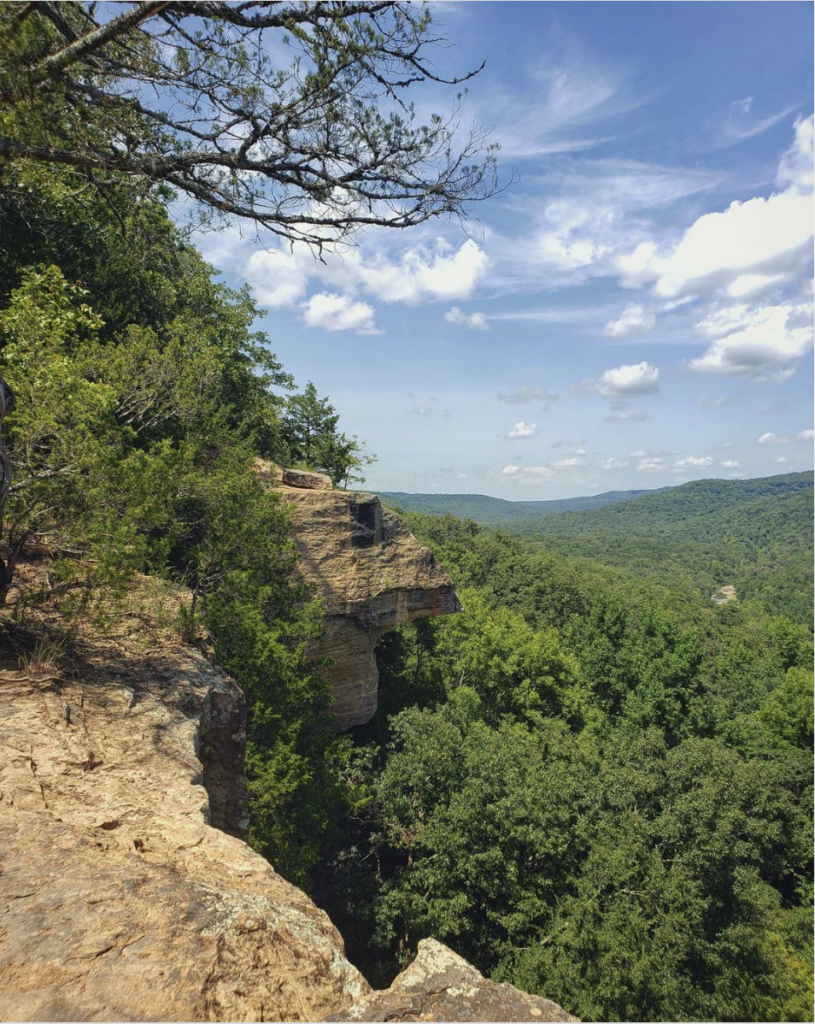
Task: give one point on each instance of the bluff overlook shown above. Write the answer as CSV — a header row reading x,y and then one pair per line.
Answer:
x,y
372,574
127,890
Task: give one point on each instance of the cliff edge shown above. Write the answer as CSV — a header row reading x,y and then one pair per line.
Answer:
x,y
123,895
372,574
127,891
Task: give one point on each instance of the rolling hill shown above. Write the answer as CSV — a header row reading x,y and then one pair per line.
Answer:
x,y
488,511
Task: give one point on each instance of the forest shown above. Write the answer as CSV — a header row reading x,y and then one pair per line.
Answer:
x,y
593,782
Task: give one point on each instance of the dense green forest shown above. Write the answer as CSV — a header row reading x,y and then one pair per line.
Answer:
x,y
690,540
593,782
587,792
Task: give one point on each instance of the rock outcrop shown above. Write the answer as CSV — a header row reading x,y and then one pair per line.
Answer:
x,y
373,575
118,899
127,891
441,986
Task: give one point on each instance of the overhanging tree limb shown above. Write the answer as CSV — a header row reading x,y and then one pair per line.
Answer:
x,y
195,96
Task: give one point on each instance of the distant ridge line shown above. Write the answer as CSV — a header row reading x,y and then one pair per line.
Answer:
x,y
488,511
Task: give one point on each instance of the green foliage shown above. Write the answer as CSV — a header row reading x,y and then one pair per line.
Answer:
x,y
133,443
614,813
310,431
690,540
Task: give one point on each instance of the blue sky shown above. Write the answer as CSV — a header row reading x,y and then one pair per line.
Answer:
x,y
634,310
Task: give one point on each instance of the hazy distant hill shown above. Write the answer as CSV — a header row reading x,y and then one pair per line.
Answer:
x,y
495,511
755,535
655,509
590,501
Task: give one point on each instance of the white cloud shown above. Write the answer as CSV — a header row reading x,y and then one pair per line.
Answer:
x,y
423,273
426,272
633,321
805,435
652,465
516,472
522,429
277,278
694,462
523,395
569,463
757,236
635,379
755,342
750,286
782,458
730,464
744,249
613,464
582,214
474,321
770,438
339,313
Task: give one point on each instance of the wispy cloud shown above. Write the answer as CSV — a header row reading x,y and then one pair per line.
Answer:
x,y
564,104
525,395
741,122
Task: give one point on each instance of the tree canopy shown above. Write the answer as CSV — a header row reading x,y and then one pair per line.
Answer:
x,y
289,114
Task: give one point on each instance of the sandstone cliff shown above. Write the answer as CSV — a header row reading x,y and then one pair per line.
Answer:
x,y
372,574
127,891
119,899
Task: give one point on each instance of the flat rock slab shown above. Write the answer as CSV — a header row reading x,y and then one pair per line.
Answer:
x,y
440,986
307,481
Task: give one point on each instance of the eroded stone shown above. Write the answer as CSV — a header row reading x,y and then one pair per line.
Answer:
x,y
119,900
373,575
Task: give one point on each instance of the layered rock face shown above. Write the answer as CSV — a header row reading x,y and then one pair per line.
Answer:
x,y
373,575
118,899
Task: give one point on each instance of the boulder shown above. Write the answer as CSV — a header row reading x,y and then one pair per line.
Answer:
x,y
307,481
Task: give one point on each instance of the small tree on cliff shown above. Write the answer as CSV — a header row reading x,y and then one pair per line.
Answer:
x,y
310,430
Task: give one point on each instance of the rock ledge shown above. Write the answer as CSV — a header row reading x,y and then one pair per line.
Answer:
x,y
441,986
